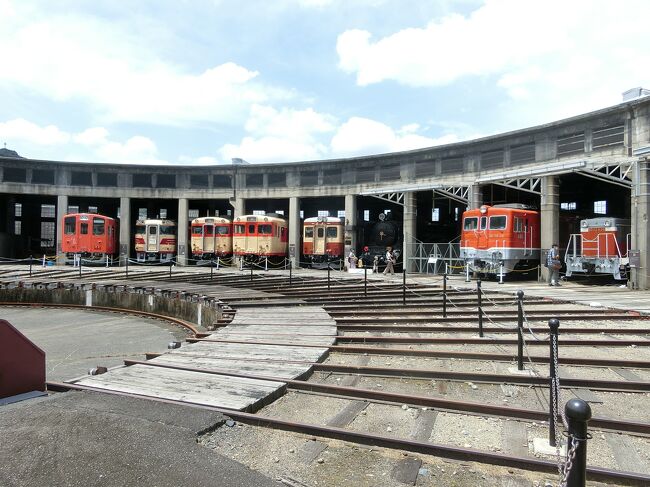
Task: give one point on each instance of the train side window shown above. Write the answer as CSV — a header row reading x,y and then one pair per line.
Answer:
x,y
519,224
99,226
320,233
84,229
197,230
332,232
69,224
497,222
221,230
483,222
265,229
309,232
470,224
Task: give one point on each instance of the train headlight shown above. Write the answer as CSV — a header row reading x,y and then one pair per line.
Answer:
x,y
483,209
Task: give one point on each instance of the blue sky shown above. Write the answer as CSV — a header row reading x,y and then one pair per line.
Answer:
x,y
201,82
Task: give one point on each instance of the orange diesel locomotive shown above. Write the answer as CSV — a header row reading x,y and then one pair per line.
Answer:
x,y
500,238
322,240
601,247
155,240
260,236
92,236
211,237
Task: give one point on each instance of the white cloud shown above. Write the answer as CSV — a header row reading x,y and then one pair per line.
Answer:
x,y
92,136
361,136
77,57
21,130
587,52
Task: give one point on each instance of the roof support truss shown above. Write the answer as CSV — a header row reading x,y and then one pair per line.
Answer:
x,y
456,193
531,184
616,173
396,197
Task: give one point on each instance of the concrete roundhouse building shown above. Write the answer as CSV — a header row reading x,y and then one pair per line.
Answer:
x,y
563,168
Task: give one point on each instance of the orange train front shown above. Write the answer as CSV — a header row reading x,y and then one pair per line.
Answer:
x,y
256,236
500,235
211,237
322,239
90,235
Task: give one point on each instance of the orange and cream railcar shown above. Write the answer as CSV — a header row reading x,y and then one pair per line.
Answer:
x,y
89,235
322,239
155,240
211,237
500,238
256,237
601,247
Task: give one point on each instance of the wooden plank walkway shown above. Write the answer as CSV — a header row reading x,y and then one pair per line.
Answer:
x,y
298,326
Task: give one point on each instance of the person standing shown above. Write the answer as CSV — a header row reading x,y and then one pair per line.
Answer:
x,y
390,261
553,263
352,260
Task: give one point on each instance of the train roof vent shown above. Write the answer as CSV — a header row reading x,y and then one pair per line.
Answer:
x,y
516,206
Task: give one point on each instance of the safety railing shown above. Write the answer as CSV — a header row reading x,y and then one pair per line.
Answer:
x,y
433,258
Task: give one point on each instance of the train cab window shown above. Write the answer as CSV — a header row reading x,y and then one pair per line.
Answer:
x,y
332,232
152,230
320,232
99,226
251,229
221,230
498,222
240,229
69,225
139,229
84,229
209,230
265,229
197,230
470,224
309,232
483,222
167,230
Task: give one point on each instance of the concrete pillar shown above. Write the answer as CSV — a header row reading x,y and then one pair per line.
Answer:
x,y
640,234
350,240
125,229
294,231
239,206
182,250
549,217
410,220
61,209
474,196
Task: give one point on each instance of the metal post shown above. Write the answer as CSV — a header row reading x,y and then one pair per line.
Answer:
x,y
211,269
501,274
79,265
127,266
467,272
328,276
218,262
480,307
30,266
554,325
251,272
404,287
365,281
170,269
290,271
520,330
578,413
444,294
266,263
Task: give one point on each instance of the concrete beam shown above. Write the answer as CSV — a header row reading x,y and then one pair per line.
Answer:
x,y
125,229
182,249
61,210
294,232
350,240
549,217
409,220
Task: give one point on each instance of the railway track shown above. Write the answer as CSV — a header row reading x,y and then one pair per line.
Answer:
x,y
362,394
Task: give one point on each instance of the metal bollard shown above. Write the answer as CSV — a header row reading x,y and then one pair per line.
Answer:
x,y
329,268
467,279
554,325
211,269
501,273
79,265
127,266
404,287
444,294
30,266
480,307
251,272
170,269
520,330
365,281
578,413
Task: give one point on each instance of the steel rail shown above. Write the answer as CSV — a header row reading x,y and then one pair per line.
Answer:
x,y
399,399
175,321
472,329
471,317
442,451
489,341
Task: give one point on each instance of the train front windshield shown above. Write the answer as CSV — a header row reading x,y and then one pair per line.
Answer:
x,y
70,224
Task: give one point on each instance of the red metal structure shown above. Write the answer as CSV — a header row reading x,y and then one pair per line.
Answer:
x,y
500,238
22,364
90,235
